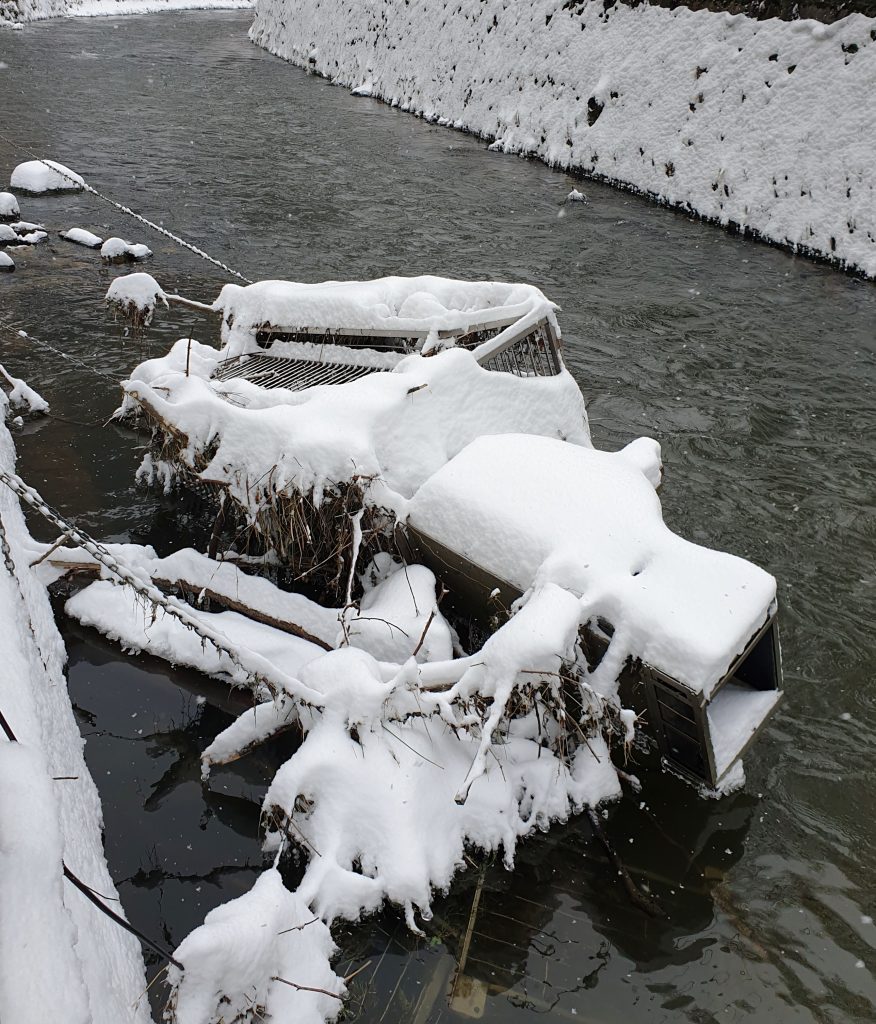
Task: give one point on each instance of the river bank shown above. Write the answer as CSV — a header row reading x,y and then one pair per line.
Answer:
x,y
753,125
740,358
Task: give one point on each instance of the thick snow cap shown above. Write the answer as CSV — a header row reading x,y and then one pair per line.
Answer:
x,y
45,176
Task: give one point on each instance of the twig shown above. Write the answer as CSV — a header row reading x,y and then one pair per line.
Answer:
x,y
640,898
308,988
422,639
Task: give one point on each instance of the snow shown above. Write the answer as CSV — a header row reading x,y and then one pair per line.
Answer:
x,y
22,395
751,123
394,614
32,895
590,521
117,249
62,959
33,10
82,237
389,430
45,176
403,305
231,962
134,292
6,261
8,206
8,234
735,714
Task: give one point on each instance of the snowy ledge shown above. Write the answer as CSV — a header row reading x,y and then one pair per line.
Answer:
x,y
761,126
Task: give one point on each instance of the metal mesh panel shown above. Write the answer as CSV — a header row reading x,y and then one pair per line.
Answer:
x,y
530,356
294,374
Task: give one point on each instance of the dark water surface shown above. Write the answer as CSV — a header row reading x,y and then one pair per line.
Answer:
x,y
753,368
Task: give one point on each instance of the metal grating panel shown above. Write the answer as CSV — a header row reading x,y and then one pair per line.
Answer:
x,y
530,356
294,374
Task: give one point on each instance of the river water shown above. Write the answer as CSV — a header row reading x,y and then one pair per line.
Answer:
x,y
755,370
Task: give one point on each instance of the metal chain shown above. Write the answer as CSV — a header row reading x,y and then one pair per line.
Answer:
x,y
253,665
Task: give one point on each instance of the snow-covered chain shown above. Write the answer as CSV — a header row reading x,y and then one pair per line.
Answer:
x,y
258,669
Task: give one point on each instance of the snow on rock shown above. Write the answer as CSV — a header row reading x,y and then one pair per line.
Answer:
x,y
234,961
77,965
764,125
6,261
591,522
45,176
118,249
33,237
576,197
8,235
82,237
8,206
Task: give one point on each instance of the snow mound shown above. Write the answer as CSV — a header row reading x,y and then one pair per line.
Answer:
x,y
134,296
38,176
118,249
82,237
8,206
248,957
6,261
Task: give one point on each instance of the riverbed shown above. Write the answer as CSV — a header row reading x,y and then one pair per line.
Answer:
x,y
753,368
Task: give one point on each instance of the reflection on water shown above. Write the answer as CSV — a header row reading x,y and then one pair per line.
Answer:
x,y
753,368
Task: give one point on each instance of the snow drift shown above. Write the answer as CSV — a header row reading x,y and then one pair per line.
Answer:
x,y
766,126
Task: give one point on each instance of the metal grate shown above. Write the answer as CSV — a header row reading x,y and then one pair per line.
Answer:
x,y
533,355
294,374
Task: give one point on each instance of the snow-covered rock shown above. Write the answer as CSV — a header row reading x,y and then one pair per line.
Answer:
x,y
8,206
82,237
764,125
6,261
38,176
118,249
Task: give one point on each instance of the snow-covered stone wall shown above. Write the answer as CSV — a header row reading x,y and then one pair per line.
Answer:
x,y
764,126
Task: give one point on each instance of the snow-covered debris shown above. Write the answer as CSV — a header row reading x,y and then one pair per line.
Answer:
x,y
411,306
8,206
118,249
591,522
82,237
21,395
133,297
576,197
248,959
750,123
7,263
38,176
398,616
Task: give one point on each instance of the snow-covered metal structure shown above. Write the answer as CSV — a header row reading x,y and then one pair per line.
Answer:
x,y
434,419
